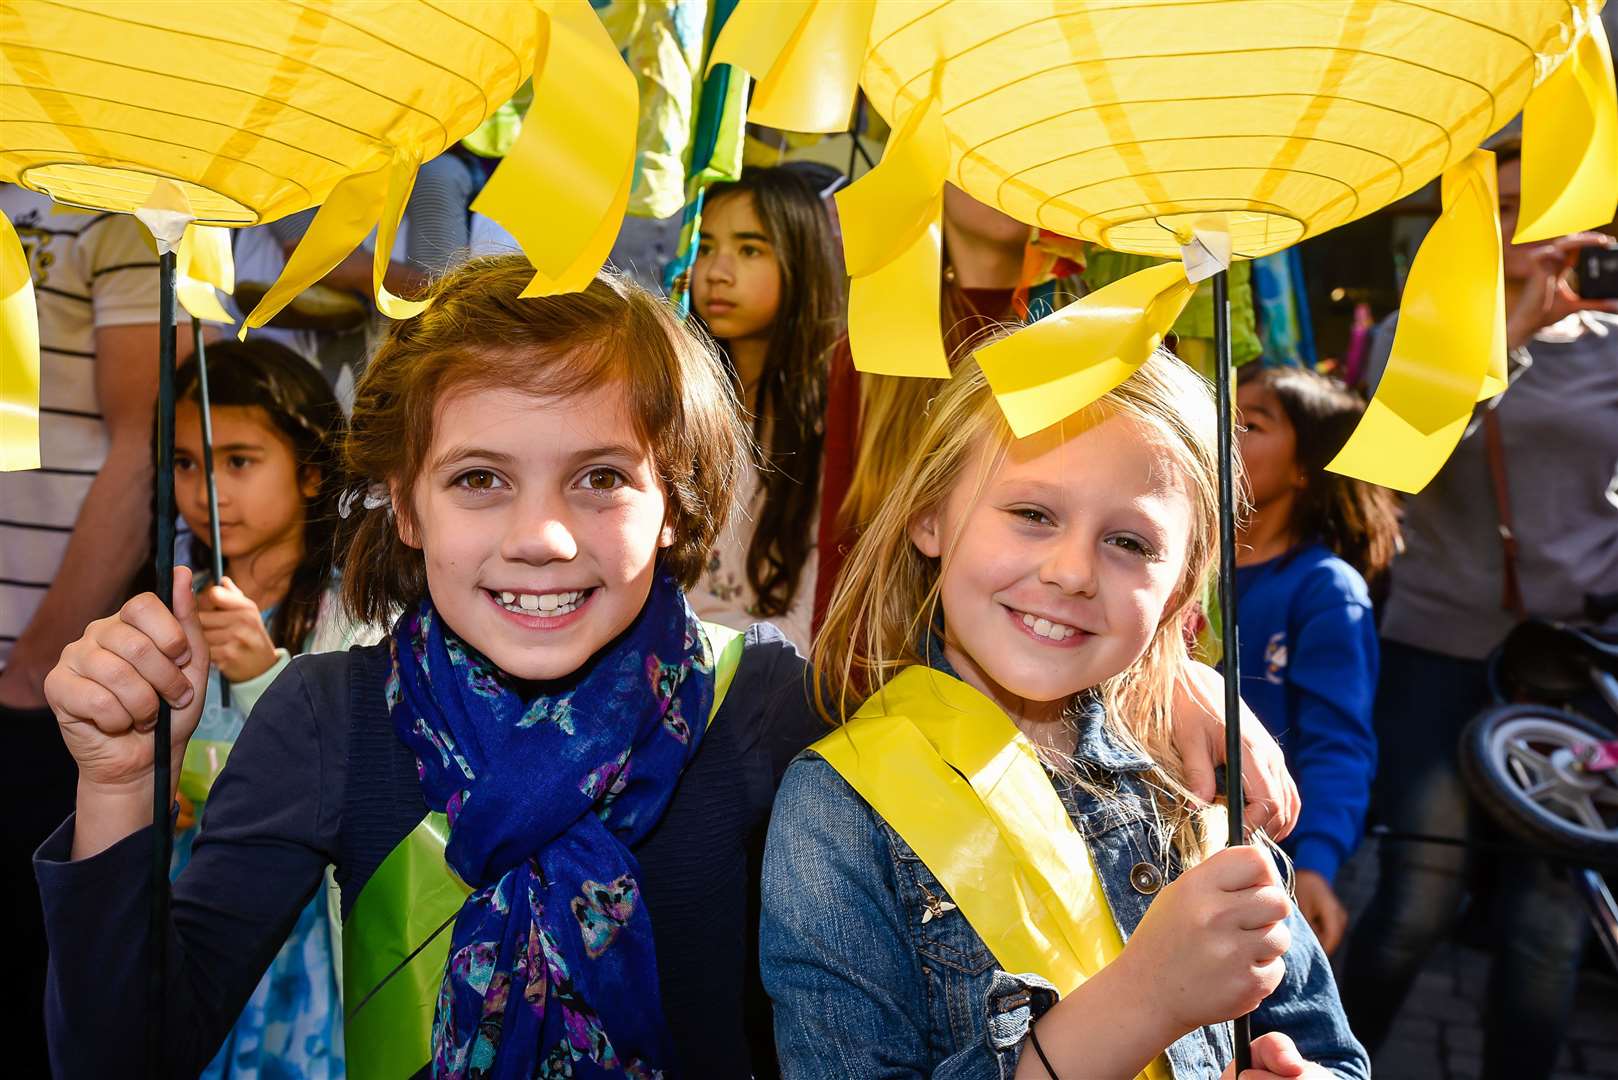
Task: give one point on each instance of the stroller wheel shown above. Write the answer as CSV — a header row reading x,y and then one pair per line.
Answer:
x,y
1523,763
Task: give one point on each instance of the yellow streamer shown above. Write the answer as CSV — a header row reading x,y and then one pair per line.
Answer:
x,y
345,218
954,777
203,263
401,178
1046,372
564,184
1570,144
19,356
891,241
1450,343
884,211
806,56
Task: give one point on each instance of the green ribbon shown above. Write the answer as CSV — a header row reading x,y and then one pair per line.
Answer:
x,y
391,985
204,760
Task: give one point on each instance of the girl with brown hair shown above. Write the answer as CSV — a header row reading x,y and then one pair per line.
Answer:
x,y
534,484
767,284
1309,652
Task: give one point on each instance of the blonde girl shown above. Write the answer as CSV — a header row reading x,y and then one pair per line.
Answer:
x,y
950,875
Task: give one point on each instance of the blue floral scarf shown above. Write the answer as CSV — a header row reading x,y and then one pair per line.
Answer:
x,y
552,970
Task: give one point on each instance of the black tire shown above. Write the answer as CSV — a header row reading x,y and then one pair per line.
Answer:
x,y
1555,823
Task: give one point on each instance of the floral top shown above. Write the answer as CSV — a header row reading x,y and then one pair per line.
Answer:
x,y
724,596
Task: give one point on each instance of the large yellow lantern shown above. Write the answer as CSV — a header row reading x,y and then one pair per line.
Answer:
x,y
1229,129
231,115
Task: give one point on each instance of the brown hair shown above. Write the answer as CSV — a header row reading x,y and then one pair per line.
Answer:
x,y
299,404
1356,520
479,332
888,593
791,401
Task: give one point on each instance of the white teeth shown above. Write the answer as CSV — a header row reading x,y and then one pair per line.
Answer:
x,y
1047,629
549,604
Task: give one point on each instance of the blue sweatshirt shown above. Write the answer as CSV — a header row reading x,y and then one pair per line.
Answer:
x,y
1308,669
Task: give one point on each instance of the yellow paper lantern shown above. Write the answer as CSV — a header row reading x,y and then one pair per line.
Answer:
x,y
1139,126
232,115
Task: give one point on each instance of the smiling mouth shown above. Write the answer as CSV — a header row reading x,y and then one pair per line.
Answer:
x,y
544,605
1046,630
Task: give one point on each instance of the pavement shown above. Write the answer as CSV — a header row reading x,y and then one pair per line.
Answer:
x,y
1439,1033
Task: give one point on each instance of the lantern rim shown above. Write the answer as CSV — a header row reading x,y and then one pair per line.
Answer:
x,y
126,188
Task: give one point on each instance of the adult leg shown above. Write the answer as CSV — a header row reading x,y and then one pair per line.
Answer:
x,y
1540,930
1424,699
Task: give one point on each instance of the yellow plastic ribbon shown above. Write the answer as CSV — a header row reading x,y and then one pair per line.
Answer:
x,y
401,178
806,56
1570,144
946,769
893,247
564,184
1046,372
19,356
1449,348
203,263
342,222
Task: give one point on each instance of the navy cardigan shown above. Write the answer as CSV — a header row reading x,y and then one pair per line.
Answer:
x,y
318,777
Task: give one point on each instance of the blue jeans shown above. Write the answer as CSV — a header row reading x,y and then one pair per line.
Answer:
x,y
1424,700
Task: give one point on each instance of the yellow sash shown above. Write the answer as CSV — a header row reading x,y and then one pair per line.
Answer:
x,y
1000,841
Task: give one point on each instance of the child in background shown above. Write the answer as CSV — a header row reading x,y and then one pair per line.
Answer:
x,y
767,285
277,429
951,874
1308,639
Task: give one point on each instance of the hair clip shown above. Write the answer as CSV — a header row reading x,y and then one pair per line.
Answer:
x,y
374,495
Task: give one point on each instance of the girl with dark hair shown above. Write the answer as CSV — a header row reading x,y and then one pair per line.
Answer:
x,y
277,430
1309,649
767,283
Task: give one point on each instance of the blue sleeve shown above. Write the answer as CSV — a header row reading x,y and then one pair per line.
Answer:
x,y
1331,674
268,831
1307,1008
849,993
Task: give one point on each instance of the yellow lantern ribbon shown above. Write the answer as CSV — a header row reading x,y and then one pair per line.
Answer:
x,y
1570,144
1449,348
806,56
946,769
203,263
892,243
344,219
1046,372
564,184
19,356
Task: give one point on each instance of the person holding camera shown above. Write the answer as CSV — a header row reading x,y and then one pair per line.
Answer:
x,y
1521,522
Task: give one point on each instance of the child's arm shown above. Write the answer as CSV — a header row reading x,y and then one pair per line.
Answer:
x,y
270,830
1332,666
1199,738
1208,949
855,996
1305,1006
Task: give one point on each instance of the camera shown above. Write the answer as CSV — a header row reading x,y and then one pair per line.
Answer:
x,y
1597,271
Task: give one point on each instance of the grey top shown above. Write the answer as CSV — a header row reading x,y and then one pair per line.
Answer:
x,y
1559,423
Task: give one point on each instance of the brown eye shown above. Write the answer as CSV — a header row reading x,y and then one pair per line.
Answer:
x,y
478,480
603,479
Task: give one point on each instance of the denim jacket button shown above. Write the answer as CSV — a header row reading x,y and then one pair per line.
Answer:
x,y
1146,878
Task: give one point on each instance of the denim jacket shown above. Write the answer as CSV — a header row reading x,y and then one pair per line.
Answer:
x,y
875,973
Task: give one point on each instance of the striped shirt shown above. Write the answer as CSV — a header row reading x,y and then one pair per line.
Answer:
x,y
89,270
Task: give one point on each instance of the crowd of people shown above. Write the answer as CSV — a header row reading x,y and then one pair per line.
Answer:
x,y
554,573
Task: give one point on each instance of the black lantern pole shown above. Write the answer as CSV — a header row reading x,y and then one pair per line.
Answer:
x,y
163,566
1242,1034
199,351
